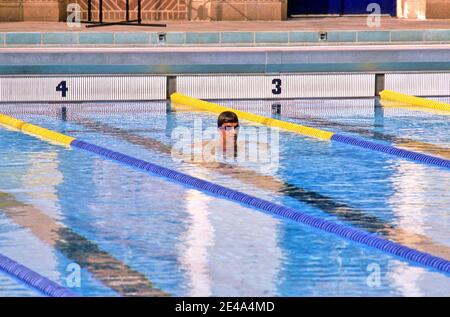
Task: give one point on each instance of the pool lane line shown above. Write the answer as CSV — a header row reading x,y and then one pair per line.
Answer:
x,y
328,205
392,150
399,141
414,101
352,234
36,130
313,132
388,104
33,279
103,266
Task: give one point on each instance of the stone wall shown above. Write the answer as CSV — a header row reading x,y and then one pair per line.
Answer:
x,y
11,11
248,10
438,9
412,9
423,9
30,10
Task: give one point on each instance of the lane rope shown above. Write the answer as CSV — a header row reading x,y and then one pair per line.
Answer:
x,y
415,101
33,279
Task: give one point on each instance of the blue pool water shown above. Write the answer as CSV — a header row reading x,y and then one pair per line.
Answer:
x,y
131,233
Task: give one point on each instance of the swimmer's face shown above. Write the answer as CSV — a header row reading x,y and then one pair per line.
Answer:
x,y
229,130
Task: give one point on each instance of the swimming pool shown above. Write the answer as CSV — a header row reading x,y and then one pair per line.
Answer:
x,y
132,233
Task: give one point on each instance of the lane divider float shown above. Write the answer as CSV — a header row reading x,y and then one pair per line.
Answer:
x,y
313,132
33,279
343,231
415,101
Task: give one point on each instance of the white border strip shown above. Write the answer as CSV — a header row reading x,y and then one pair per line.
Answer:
x,y
82,88
419,84
277,86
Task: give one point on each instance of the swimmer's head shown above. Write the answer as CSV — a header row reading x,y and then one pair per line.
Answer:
x,y
227,117
228,124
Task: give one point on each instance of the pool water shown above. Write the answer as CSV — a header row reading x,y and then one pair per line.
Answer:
x,y
104,229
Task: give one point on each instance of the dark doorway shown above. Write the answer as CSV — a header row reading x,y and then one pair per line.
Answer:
x,y
340,7
314,7
360,6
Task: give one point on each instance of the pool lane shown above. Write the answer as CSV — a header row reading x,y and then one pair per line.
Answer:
x,y
115,133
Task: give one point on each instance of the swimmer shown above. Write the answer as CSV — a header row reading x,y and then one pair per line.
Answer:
x,y
226,147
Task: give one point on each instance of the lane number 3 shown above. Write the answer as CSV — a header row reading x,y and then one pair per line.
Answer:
x,y
277,86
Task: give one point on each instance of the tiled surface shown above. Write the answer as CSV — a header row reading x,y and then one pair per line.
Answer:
x,y
437,35
23,38
271,37
176,38
303,37
238,37
347,30
221,38
202,38
341,36
374,36
62,38
407,36
131,38
96,38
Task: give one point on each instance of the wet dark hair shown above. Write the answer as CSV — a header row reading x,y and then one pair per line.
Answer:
x,y
227,117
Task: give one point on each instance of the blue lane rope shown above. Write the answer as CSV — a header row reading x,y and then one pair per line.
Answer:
x,y
350,233
33,279
388,149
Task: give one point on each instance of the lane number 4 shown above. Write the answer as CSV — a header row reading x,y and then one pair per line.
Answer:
x,y
62,87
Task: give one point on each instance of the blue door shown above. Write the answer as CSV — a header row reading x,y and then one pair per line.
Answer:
x,y
338,6
314,7
360,6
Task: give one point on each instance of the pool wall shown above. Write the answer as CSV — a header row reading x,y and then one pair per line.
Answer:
x,y
154,73
82,88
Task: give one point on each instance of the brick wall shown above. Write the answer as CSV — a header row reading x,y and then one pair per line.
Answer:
x,y
194,10
114,10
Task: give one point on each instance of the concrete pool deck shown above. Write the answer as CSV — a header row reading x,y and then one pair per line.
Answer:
x,y
296,32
